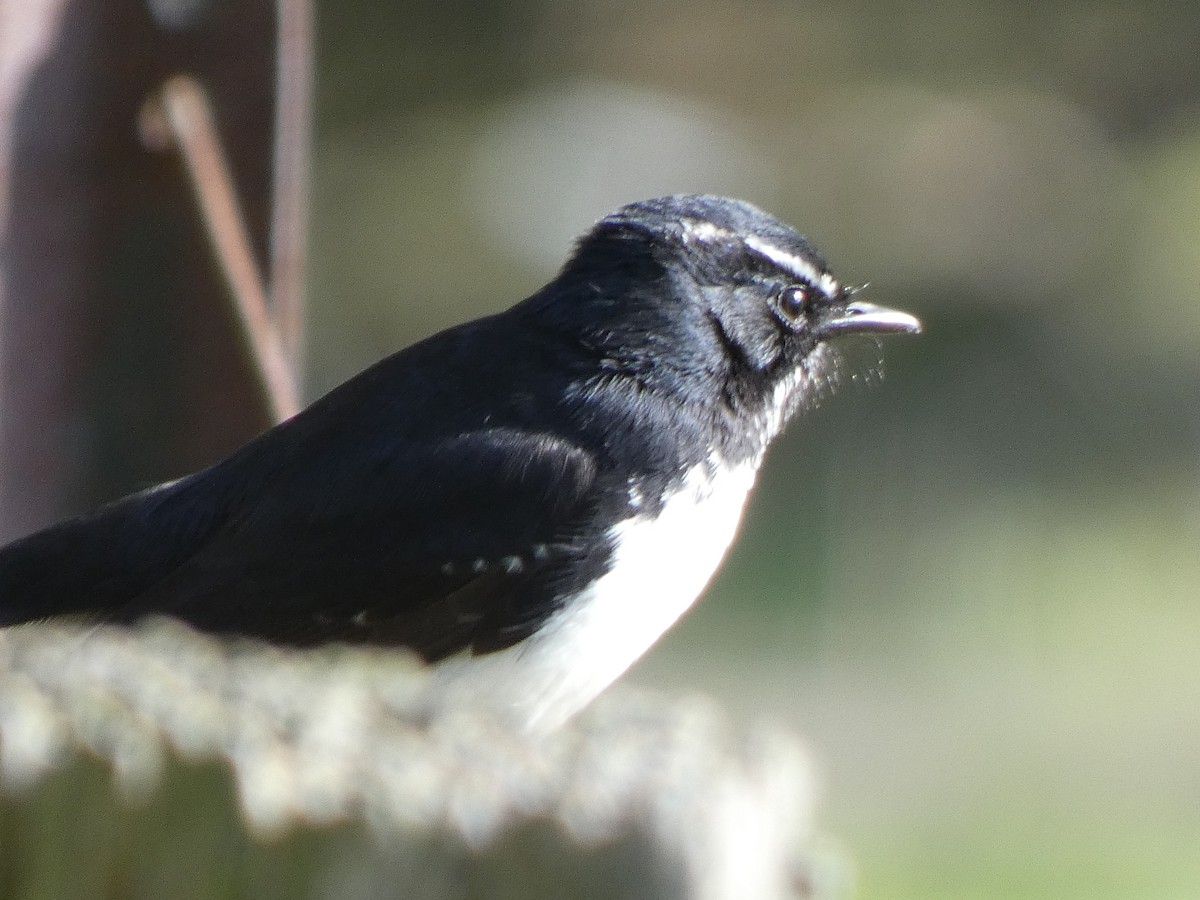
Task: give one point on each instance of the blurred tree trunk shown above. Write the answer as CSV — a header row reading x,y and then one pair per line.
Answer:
x,y
120,361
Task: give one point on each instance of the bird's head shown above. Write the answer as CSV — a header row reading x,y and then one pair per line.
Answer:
x,y
697,291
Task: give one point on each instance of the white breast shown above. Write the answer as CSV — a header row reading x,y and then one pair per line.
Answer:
x,y
659,568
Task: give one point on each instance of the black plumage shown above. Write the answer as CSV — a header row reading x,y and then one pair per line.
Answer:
x,y
460,492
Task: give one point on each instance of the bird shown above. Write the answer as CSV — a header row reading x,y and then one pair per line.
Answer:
x,y
528,500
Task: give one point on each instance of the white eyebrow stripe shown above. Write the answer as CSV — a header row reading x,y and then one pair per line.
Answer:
x,y
798,266
707,231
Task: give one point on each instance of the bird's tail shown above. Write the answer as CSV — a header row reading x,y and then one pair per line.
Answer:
x,y
98,563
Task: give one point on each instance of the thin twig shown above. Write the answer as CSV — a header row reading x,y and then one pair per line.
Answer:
x,y
189,118
293,125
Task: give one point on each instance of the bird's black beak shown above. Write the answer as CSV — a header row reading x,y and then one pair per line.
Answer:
x,y
859,317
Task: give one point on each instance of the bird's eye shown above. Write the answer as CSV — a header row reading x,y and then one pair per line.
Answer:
x,y
793,301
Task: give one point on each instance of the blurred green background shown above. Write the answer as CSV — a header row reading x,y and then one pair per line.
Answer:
x,y
972,585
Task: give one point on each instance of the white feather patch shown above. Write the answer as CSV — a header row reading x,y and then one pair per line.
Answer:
x,y
660,566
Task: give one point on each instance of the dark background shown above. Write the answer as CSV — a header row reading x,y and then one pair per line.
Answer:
x,y
973,586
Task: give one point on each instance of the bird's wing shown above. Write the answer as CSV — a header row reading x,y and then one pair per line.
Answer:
x,y
461,542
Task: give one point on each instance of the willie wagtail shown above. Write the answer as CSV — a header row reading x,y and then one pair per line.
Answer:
x,y
530,499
